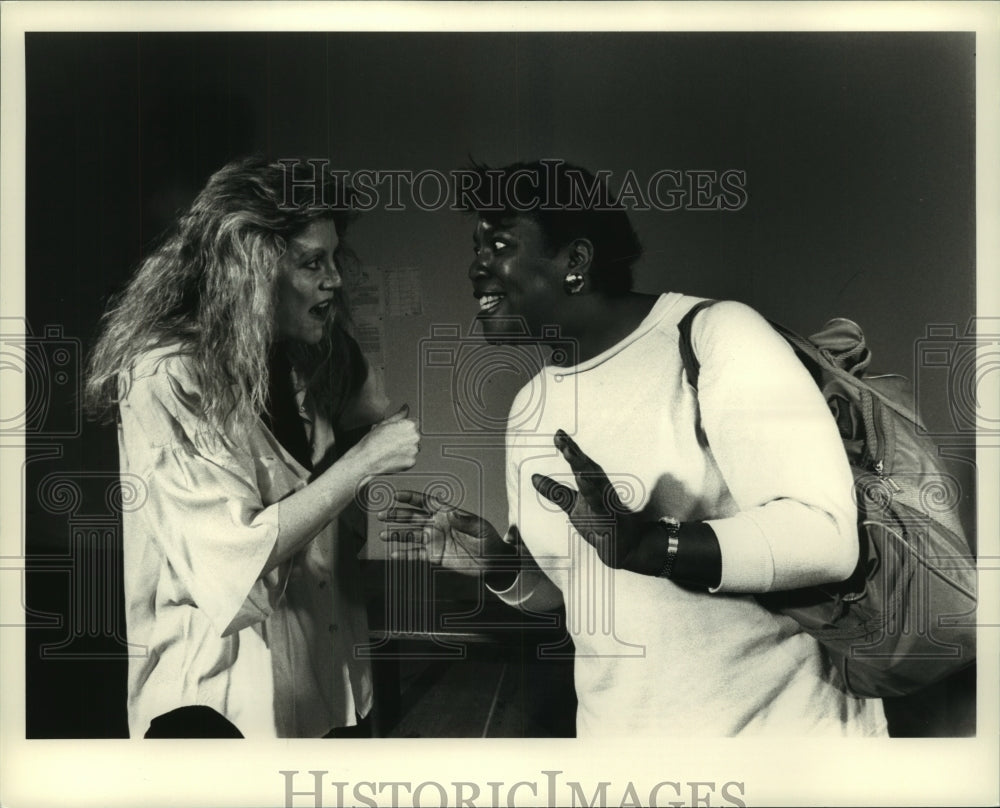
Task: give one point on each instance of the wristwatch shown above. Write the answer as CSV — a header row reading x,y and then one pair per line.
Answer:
x,y
672,527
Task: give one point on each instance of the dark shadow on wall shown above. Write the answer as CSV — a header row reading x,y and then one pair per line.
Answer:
x,y
105,128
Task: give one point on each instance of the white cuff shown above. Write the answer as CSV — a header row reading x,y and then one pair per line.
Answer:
x,y
747,564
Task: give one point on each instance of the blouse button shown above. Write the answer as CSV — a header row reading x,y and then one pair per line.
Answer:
x,y
322,584
333,627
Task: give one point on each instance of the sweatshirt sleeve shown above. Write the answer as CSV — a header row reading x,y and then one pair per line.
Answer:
x,y
532,590
203,503
779,450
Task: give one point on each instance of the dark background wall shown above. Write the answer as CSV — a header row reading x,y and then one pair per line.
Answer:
x,y
858,151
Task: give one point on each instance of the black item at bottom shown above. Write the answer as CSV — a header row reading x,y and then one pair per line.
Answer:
x,y
196,721
363,729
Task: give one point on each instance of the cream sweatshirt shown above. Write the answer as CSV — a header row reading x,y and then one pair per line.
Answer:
x,y
756,454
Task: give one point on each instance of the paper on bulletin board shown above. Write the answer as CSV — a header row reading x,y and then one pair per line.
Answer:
x,y
366,296
375,294
402,292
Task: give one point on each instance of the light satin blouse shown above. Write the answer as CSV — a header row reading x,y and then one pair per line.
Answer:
x,y
279,655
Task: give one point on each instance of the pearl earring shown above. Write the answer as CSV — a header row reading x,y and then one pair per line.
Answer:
x,y
573,283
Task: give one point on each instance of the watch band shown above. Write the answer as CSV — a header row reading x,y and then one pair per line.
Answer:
x,y
672,527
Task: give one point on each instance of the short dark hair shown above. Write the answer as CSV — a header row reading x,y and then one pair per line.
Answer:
x,y
567,202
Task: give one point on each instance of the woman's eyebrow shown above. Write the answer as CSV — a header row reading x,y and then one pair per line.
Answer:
x,y
301,251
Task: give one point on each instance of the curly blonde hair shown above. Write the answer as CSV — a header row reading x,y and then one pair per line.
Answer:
x,y
209,289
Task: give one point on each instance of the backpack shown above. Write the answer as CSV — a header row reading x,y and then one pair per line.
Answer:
x,y
906,617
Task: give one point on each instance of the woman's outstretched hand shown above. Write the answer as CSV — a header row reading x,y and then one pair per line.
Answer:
x,y
596,509
424,528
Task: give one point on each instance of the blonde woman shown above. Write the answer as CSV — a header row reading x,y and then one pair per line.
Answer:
x,y
228,366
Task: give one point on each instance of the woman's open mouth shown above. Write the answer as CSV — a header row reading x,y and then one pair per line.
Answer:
x,y
488,303
321,310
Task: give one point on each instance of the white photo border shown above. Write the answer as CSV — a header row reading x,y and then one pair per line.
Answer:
x,y
783,772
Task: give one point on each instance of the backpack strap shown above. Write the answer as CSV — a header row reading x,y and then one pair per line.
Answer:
x,y
804,347
688,358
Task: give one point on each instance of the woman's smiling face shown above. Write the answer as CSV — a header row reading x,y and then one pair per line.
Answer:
x,y
516,278
307,283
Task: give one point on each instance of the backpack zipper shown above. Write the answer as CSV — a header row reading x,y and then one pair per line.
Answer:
x,y
873,411
880,472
